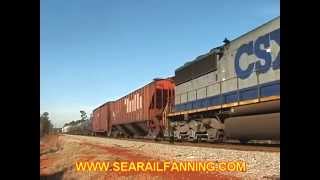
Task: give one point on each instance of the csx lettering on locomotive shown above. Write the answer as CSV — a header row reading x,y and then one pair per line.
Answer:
x,y
254,48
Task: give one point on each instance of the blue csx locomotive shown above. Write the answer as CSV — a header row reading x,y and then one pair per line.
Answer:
x,y
232,92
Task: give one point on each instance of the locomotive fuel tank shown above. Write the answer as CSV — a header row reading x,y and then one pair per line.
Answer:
x,y
257,127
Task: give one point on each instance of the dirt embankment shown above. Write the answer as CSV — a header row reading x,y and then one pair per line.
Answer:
x,y
59,153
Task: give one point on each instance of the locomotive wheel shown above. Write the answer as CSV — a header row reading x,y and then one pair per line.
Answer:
x,y
197,140
243,141
220,137
172,139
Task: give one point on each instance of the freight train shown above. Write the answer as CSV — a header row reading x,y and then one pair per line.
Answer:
x,y
81,128
231,92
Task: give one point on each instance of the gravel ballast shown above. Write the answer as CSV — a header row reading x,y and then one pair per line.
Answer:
x,y
260,165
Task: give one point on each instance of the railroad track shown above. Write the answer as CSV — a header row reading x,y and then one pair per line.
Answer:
x,y
263,147
225,145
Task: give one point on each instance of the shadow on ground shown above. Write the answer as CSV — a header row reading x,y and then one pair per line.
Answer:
x,y
55,176
49,151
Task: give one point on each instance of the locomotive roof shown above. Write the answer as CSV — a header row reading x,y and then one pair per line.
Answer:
x,y
216,49
199,58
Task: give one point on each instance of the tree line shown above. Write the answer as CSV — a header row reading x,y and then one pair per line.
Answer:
x,y
46,126
84,118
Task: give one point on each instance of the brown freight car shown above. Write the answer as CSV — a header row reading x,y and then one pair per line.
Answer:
x,y
101,119
141,113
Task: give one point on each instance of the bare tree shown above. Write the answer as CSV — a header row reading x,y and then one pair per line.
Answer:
x,y
84,116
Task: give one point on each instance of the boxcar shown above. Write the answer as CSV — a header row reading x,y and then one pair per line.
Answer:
x,y
100,122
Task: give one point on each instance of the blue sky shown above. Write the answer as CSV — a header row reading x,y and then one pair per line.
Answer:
x,y
95,51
